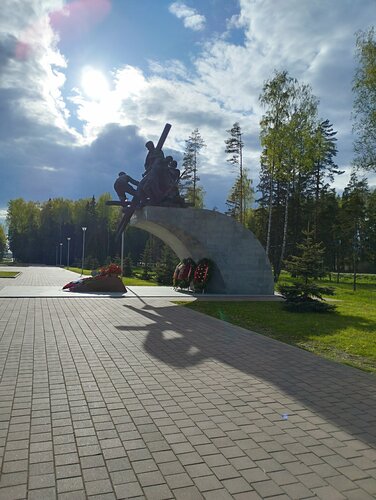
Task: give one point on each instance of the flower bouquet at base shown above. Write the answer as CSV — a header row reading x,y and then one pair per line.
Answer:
x,y
107,280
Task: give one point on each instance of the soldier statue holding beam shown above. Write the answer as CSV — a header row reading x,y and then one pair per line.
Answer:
x,y
158,186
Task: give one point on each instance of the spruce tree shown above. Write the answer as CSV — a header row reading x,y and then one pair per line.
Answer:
x,y
166,266
127,266
146,258
304,294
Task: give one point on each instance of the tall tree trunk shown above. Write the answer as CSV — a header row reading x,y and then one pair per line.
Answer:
x,y
194,179
241,182
270,212
284,239
317,196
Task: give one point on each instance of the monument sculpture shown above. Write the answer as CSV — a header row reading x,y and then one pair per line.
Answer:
x,y
239,264
158,186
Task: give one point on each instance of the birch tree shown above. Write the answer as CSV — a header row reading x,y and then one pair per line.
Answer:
x,y
364,88
286,131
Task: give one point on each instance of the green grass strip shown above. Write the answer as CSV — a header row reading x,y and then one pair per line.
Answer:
x,y
127,281
9,274
347,335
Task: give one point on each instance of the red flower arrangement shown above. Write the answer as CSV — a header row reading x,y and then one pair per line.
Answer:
x,y
110,270
106,280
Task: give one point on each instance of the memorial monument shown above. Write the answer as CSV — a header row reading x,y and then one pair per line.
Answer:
x,y
240,264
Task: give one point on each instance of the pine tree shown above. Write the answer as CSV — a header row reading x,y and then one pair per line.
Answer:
x,y
324,150
240,198
370,228
352,221
234,147
189,178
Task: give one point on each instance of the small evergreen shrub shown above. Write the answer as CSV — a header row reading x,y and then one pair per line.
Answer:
x,y
304,295
127,267
301,297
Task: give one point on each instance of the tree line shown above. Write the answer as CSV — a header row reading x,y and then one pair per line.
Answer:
x,y
294,193
298,169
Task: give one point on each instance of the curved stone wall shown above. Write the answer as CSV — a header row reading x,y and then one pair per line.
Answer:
x,y
242,266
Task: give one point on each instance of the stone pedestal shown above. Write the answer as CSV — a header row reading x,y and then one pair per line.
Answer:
x,y
242,266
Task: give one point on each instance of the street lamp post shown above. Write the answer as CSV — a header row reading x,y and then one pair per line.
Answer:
x,y
61,250
68,239
83,249
56,255
122,254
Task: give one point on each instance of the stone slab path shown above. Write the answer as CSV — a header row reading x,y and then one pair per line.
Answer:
x,y
112,399
48,282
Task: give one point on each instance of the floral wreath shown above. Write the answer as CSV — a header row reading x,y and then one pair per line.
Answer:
x,y
183,274
202,274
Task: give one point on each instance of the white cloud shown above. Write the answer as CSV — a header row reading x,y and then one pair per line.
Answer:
x,y
32,73
47,168
236,22
227,80
191,18
314,41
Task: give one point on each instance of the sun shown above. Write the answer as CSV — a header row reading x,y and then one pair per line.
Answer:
x,y
94,83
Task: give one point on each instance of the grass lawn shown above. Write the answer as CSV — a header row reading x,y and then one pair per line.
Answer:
x,y
9,274
348,335
138,282
133,281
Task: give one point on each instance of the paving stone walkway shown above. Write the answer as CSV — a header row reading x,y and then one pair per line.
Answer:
x,y
140,398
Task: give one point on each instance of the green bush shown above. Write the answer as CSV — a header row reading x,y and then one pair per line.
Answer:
x,y
127,267
302,297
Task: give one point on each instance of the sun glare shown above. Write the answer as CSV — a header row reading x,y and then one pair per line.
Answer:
x,y
94,83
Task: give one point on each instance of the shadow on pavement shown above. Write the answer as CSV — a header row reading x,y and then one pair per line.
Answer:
x,y
342,395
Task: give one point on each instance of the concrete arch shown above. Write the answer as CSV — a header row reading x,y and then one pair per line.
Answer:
x,y
242,266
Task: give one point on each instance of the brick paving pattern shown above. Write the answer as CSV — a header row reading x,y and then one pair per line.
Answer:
x,y
119,398
37,276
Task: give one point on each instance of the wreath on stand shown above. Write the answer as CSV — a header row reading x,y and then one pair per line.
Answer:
x,y
183,274
202,275
189,275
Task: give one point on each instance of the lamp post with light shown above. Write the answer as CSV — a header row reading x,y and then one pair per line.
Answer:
x,y
61,250
83,249
68,240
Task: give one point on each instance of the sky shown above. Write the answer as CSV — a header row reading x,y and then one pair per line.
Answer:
x,y
85,83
